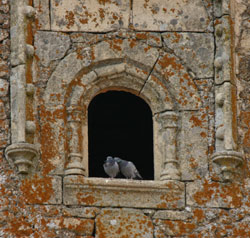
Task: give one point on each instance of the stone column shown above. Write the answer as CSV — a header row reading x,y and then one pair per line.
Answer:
x,y
20,154
170,165
226,161
74,122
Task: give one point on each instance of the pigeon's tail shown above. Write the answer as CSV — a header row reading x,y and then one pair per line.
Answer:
x,y
138,176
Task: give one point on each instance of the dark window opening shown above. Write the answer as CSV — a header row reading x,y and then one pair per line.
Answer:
x,y
120,124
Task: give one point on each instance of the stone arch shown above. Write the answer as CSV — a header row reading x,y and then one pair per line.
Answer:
x,y
156,76
154,69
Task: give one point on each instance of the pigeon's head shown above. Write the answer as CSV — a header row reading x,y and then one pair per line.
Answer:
x,y
117,159
109,160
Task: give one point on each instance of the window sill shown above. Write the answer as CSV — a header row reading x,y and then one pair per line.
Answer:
x,y
79,190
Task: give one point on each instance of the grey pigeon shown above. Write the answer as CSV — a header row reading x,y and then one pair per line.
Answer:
x,y
111,167
128,169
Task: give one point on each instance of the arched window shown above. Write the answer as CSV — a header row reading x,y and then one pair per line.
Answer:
x,y
120,124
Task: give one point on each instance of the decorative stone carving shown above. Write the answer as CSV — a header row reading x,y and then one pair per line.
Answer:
x,y
29,11
30,50
170,167
30,89
229,163
75,165
30,127
22,155
226,162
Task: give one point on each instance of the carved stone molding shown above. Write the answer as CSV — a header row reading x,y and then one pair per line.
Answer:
x,y
23,156
118,192
228,164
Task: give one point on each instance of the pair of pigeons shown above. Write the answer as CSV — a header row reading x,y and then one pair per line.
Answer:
x,y
112,166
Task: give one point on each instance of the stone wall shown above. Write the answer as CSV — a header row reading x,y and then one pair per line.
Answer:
x,y
189,60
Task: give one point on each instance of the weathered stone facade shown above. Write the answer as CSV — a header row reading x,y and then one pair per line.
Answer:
x,y
189,61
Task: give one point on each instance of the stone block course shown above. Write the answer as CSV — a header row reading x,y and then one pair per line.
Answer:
x,y
194,49
90,15
172,15
123,223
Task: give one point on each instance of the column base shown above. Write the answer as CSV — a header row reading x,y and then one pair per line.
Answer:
x,y
171,171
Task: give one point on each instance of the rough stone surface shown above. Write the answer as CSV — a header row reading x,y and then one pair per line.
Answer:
x,y
42,14
212,194
92,16
172,215
177,79
170,15
4,88
83,212
123,223
51,46
194,49
193,148
77,226
173,228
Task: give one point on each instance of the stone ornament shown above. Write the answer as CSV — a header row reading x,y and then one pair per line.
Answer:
x,y
229,163
226,161
20,154
23,156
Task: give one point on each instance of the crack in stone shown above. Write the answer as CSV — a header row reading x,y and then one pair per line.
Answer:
x,y
150,73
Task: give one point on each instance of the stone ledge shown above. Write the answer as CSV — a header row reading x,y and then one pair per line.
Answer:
x,y
123,193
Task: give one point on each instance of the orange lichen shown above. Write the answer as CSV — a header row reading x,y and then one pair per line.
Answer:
x,y
167,61
147,48
199,215
142,36
70,17
84,21
101,13
85,198
196,121
103,2
37,190
177,38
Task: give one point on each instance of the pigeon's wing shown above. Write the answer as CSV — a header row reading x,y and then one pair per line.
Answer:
x,y
126,168
135,172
